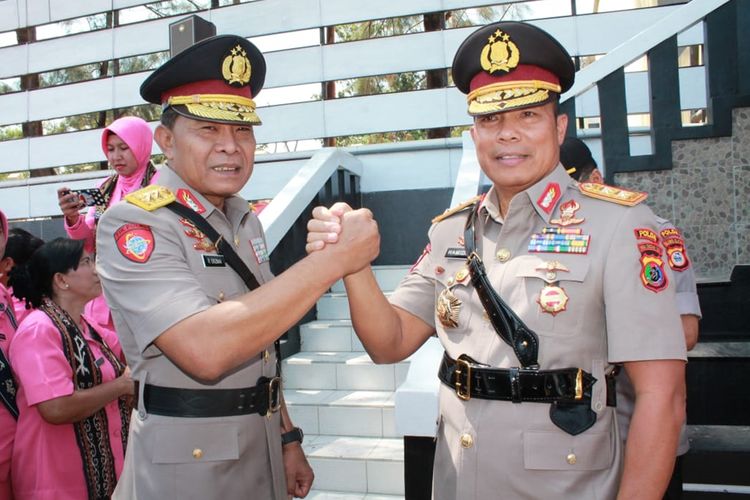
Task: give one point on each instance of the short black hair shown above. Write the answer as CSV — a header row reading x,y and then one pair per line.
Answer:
x,y
33,281
21,245
168,117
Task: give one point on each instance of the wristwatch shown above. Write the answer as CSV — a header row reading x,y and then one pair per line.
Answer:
x,y
295,434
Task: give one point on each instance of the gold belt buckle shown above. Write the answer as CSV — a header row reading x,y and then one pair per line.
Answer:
x,y
461,391
275,381
579,385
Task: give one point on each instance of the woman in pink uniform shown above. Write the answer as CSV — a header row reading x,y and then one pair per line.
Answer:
x,y
74,391
8,406
127,145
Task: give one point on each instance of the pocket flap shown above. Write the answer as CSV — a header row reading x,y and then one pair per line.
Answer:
x,y
559,451
181,443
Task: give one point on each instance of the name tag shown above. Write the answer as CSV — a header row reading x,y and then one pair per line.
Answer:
x,y
213,260
455,253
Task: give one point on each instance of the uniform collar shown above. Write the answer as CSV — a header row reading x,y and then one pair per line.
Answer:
x,y
544,196
234,206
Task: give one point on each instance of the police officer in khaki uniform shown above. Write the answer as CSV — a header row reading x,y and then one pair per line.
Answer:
x,y
536,291
576,157
177,262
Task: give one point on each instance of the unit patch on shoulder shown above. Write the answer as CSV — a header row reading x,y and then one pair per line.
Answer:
x,y
135,242
457,208
652,272
612,194
151,197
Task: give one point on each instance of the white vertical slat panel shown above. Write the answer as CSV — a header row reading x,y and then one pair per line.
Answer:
x,y
14,60
693,88
402,111
637,93
37,12
43,197
294,67
142,38
68,100
348,11
70,51
291,122
15,202
377,56
13,108
269,178
399,171
12,15
267,17
65,149
67,9
587,104
125,90
14,155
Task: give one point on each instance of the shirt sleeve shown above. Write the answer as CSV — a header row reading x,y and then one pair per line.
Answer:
x,y
416,291
642,320
83,229
155,290
39,362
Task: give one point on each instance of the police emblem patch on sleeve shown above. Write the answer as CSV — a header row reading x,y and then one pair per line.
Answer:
x,y
135,242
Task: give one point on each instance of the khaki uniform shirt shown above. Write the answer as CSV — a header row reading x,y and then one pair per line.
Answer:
x,y
686,290
498,449
149,288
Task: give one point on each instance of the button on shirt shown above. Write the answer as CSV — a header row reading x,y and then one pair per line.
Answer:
x,y
610,317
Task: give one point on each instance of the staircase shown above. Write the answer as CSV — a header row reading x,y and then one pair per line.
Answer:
x,y
345,404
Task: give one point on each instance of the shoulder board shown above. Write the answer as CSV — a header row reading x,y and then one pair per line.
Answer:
x,y
612,194
456,209
151,197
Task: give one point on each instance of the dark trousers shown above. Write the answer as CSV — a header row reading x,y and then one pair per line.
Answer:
x,y
674,489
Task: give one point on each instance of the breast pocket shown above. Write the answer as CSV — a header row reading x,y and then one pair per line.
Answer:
x,y
555,290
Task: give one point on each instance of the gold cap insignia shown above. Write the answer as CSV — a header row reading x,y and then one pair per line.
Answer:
x,y
500,53
236,67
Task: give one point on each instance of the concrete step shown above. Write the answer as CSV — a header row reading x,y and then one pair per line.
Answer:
x,y
334,495
334,305
347,413
356,464
329,335
388,277
341,371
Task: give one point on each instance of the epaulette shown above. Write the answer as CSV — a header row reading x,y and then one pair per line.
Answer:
x,y
612,194
151,197
456,209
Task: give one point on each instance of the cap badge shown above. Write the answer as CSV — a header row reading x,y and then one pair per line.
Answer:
x,y
500,53
236,67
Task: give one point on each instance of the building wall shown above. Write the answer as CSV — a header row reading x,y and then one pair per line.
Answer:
x,y
707,196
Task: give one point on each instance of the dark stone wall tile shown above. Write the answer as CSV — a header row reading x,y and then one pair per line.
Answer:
x,y
742,194
712,248
741,136
658,185
695,153
743,243
704,196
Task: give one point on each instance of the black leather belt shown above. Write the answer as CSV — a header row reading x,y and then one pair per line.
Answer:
x,y
471,380
264,398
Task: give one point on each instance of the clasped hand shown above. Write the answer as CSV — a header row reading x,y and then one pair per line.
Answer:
x,y
350,236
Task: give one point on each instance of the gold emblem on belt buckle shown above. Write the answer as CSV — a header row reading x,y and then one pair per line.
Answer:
x,y
271,407
461,392
579,385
